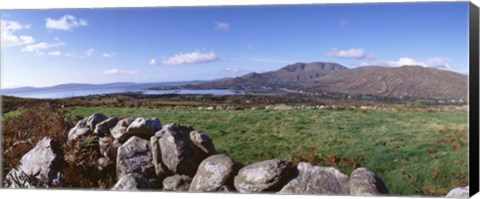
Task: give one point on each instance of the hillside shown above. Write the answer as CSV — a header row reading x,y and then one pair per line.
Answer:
x,y
395,82
285,77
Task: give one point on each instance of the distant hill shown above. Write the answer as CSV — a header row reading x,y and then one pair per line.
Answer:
x,y
288,75
395,82
391,82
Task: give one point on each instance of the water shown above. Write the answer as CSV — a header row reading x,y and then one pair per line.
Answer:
x,y
66,93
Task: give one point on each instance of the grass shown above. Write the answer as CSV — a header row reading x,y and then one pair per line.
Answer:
x,y
415,152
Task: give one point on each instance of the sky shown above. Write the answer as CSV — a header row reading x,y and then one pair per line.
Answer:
x,y
56,46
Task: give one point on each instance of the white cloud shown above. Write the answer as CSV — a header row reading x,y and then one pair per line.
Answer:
x,y
108,55
55,53
353,53
39,47
222,26
90,52
234,71
435,62
116,71
190,58
67,22
9,39
343,22
152,61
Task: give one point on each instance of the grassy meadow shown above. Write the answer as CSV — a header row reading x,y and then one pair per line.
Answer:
x,y
415,152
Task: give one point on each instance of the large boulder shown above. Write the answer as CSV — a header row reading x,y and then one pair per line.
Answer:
x,y
103,128
215,173
364,182
311,179
177,183
85,126
132,181
80,129
160,169
265,176
120,129
135,156
39,167
94,119
179,153
459,192
143,127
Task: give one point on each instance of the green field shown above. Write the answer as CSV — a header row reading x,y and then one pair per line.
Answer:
x,y
415,152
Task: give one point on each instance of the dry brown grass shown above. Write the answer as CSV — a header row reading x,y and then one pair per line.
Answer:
x,y
22,132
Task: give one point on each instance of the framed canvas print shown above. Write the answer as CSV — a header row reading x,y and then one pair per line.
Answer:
x,y
354,99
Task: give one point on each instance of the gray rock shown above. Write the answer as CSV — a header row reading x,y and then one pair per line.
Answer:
x,y
80,129
104,146
94,119
103,163
215,173
39,167
131,182
119,130
160,170
364,182
459,192
202,142
269,175
103,128
316,180
177,183
143,127
135,156
179,154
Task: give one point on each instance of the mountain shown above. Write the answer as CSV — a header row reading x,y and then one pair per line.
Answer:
x,y
324,77
395,82
288,75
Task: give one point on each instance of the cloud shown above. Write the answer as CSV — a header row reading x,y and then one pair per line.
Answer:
x,y
152,61
249,47
353,53
222,26
90,52
9,39
195,57
116,71
108,55
435,62
343,23
55,53
39,47
67,22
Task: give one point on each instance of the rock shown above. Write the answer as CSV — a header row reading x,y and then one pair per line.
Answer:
x,y
282,107
269,175
160,170
119,130
80,129
132,181
104,148
459,192
179,154
94,119
177,183
135,156
144,128
39,167
316,180
103,128
103,163
214,174
364,182
203,142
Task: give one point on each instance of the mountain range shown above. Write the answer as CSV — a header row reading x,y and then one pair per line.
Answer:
x,y
391,82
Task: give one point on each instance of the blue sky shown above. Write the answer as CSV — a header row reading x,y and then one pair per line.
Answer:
x,y
49,47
